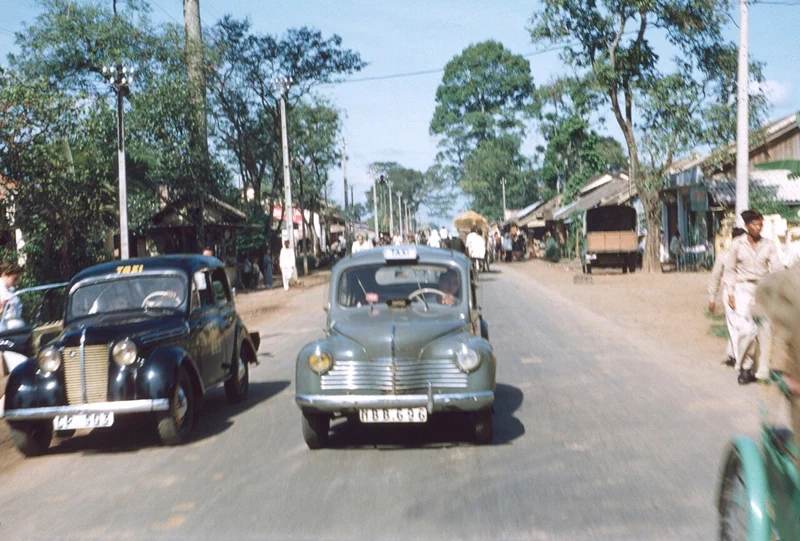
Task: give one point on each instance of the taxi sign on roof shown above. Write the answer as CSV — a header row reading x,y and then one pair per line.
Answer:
x,y
400,253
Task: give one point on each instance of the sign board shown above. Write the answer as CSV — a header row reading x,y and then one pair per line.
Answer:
x,y
400,253
698,199
277,214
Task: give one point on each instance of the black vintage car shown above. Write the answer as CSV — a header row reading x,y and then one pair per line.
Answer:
x,y
143,336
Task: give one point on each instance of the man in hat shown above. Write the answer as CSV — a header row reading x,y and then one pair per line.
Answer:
x,y
750,258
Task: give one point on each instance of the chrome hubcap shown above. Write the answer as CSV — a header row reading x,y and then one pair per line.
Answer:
x,y
181,405
242,370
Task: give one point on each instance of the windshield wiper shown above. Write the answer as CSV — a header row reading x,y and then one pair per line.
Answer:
x,y
419,286
366,297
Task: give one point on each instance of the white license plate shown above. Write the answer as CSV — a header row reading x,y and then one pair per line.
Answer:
x,y
393,415
83,420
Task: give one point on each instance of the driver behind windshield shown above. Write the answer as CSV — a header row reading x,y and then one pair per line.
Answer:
x,y
449,285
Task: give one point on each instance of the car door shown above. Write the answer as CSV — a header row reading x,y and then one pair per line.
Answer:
x,y
206,342
226,313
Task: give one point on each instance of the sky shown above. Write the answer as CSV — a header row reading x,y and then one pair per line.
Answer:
x,y
388,119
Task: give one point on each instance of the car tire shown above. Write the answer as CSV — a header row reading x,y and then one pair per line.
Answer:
x,y
315,429
175,424
32,439
237,387
483,428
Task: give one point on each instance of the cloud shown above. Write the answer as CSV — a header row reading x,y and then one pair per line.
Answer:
x,y
778,93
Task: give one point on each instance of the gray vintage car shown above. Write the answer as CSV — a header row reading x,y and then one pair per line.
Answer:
x,y
404,340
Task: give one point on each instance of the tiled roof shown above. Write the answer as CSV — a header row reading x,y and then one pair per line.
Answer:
x,y
784,189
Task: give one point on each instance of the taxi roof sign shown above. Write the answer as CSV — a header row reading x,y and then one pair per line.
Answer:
x,y
394,254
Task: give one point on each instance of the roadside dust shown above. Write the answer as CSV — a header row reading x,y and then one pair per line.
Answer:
x,y
668,307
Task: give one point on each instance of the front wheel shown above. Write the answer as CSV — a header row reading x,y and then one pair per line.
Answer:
x,y
237,387
315,429
735,516
483,427
176,424
32,439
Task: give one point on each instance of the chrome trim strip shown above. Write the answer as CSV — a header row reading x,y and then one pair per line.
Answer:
x,y
123,406
436,402
83,366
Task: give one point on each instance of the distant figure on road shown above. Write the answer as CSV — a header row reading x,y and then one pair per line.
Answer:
x,y
435,241
476,248
713,290
287,264
675,247
359,245
750,258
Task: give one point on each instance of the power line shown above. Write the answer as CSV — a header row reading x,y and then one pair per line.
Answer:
x,y
167,13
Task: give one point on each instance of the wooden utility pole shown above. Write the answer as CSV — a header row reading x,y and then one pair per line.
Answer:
x,y
197,98
743,118
344,178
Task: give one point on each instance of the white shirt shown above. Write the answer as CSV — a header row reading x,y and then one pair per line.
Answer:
x,y
358,247
443,234
397,240
675,245
13,308
434,241
476,246
287,260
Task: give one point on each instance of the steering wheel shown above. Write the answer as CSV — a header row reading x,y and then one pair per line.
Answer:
x,y
160,294
423,290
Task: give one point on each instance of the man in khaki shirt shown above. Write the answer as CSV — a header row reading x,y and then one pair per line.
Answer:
x,y
750,258
714,286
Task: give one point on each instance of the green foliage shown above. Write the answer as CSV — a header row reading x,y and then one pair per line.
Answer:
x,y
764,200
253,239
677,105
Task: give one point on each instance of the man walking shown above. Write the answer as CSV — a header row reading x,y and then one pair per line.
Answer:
x,y
476,248
358,245
713,290
750,258
287,264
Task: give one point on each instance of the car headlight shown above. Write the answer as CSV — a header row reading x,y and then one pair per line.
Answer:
x,y
320,361
124,352
468,359
49,359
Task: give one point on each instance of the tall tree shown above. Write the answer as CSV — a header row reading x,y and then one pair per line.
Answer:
x,y
613,41
486,92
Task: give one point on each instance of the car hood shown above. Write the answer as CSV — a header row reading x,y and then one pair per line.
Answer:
x,y
106,328
397,333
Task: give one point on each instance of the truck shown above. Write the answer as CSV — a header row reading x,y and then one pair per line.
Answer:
x,y
611,239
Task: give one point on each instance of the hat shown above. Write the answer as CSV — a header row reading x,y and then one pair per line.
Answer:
x,y
750,215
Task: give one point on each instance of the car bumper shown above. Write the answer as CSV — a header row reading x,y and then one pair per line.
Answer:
x,y
121,407
469,401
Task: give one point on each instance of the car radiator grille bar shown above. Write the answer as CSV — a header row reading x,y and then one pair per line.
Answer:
x,y
399,376
89,384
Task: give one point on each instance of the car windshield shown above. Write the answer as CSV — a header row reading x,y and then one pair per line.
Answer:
x,y
128,293
432,284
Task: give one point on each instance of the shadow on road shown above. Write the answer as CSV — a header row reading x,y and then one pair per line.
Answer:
x,y
441,430
132,433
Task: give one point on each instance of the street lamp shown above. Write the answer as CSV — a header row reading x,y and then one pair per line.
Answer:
x,y
120,78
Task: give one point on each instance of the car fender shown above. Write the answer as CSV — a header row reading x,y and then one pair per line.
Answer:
x,y
444,348
757,483
28,387
340,348
158,374
247,339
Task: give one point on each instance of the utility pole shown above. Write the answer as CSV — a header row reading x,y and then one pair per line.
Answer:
x,y
344,177
503,182
120,77
288,209
375,208
353,214
197,98
742,118
391,214
400,215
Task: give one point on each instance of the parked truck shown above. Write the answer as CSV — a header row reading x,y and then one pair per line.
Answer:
x,y
610,238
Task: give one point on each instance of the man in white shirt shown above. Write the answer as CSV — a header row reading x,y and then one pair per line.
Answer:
x,y
434,241
750,258
397,240
287,264
714,286
476,248
10,306
358,245
675,247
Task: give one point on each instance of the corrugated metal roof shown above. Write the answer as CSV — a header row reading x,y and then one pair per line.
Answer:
x,y
784,189
522,213
614,193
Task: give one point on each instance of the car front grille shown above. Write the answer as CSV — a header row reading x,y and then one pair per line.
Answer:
x,y
398,375
90,384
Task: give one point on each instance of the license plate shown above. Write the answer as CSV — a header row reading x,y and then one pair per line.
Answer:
x,y
393,415
81,420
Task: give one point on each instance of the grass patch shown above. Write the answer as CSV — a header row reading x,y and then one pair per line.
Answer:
x,y
717,326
